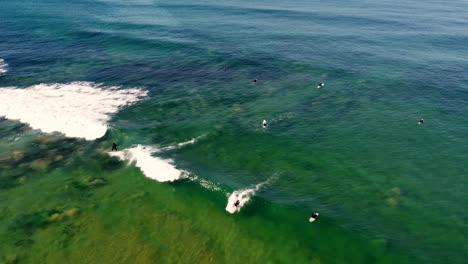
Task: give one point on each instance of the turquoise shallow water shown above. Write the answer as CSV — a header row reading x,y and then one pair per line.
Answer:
x,y
388,190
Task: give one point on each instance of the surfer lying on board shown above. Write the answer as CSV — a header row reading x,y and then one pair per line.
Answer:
x,y
114,147
314,216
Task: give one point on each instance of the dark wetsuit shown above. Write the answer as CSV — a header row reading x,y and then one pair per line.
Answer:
x,y
236,203
114,147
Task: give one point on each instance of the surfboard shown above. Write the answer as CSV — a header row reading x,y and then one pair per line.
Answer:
x,y
311,219
232,210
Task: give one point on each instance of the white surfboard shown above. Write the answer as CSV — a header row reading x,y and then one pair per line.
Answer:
x,y
311,219
232,210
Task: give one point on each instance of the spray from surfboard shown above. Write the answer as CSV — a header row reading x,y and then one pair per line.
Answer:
x,y
242,197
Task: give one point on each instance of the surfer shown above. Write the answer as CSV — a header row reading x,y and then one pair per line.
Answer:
x,y
254,81
314,216
320,85
236,203
421,121
264,123
114,147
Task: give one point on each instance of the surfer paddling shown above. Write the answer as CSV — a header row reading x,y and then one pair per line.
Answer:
x,y
320,85
313,217
114,147
421,121
264,124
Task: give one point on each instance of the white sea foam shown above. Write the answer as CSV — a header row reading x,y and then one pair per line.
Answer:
x,y
152,167
243,196
3,66
78,109
205,183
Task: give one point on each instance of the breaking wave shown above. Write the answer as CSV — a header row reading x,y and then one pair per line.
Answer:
x,y
77,109
152,167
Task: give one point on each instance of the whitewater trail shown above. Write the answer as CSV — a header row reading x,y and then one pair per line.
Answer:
x,y
3,66
78,109
243,196
182,144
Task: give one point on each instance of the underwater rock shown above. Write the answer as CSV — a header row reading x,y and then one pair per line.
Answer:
x,y
392,201
17,155
89,182
71,212
21,180
136,196
11,260
396,190
68,213
40,164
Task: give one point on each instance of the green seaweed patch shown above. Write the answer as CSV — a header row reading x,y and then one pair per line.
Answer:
x,y
29,223
51,153
71,230
24,242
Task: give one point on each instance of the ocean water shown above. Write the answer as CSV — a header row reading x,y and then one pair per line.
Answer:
x,y
171,83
